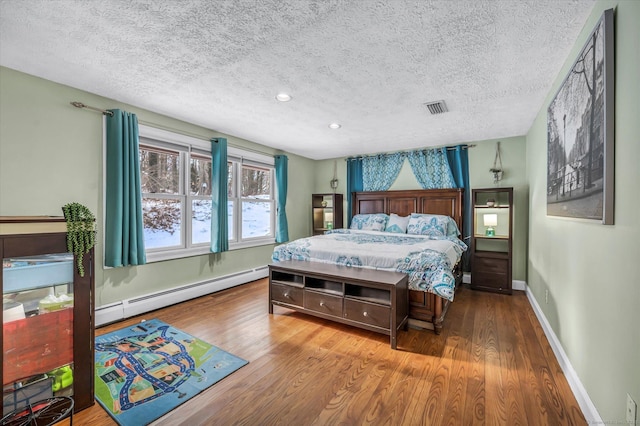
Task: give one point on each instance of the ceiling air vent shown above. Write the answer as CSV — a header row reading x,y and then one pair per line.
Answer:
x,y
437,107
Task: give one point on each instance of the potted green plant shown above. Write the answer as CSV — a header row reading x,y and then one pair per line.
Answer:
x,y
81,231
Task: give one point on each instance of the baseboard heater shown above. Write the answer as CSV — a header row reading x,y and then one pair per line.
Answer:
x,y
139,305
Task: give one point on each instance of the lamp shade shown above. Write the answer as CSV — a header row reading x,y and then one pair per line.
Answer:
x,y
490,220
328,217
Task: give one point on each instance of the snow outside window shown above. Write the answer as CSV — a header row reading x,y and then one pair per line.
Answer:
x,y
175,173
251,202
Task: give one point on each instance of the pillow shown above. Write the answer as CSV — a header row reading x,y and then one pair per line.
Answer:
x,y
452,228
369,222
433,225
397,223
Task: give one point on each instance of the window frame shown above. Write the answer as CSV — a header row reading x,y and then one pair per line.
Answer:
x,y
180,196
186,145
238,162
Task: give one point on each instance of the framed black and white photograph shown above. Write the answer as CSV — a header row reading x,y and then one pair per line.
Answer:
x,y
580,132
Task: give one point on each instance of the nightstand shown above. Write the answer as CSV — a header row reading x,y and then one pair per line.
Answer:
x,y
491,240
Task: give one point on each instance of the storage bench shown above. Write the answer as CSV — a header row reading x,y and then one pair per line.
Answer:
x,y
365,298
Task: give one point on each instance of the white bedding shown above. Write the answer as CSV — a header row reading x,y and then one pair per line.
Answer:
x,y
428,261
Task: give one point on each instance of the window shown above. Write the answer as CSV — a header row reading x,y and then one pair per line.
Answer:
x,y
175,174
162,196
251,201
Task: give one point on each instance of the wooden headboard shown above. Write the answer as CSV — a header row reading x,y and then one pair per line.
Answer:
x,y
435,201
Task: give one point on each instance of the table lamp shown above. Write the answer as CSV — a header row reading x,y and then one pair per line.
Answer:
x,y
490,220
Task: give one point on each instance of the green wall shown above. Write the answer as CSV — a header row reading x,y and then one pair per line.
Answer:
x,y
587,268
512,152
481,158
51,154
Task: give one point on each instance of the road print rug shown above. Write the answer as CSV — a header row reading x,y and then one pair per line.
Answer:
x,y
146,370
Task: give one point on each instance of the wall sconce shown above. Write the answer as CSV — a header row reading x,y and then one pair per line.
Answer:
x,y
490,220
328,220
497,166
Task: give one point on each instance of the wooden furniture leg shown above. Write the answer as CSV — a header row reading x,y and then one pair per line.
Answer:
x,y
437,316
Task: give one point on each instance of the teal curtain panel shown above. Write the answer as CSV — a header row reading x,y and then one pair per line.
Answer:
x,y
124,236
458,158
354,183
219,196
282,227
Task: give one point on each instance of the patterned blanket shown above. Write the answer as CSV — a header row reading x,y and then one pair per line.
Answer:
x,y
428,261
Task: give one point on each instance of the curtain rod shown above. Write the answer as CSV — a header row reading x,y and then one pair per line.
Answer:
x,y
448,148
182,132
81,105
196,136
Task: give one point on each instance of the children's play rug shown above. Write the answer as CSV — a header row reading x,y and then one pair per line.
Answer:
x,y
148,369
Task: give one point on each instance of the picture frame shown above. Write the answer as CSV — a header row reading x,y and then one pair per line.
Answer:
x,y
580,132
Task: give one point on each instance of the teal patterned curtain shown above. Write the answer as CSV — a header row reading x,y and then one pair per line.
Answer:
x,y
219,196
282,227
431,168
380,171
124,237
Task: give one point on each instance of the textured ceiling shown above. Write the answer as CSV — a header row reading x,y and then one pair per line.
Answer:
x,y
369,65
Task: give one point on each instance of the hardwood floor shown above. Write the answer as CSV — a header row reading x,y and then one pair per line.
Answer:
x,y
491,365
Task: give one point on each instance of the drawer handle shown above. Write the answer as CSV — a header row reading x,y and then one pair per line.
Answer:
x,y
365,314
322,304
286,294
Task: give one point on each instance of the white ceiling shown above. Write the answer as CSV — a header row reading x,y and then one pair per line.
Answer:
x,y
369,65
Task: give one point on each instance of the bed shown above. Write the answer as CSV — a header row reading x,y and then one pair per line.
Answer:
x,y
426,309
432,288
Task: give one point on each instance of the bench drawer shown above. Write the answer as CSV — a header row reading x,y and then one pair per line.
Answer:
x,y
287,294
321,302
367,313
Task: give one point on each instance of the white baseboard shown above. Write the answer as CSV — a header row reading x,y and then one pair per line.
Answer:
x,y
588,409
109,313
139,305
515,284
518,285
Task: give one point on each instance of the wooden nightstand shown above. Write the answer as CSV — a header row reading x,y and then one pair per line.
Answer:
x,y
491,241
326,212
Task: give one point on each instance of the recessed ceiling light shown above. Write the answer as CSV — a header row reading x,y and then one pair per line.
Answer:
x,y
283,97
334,126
